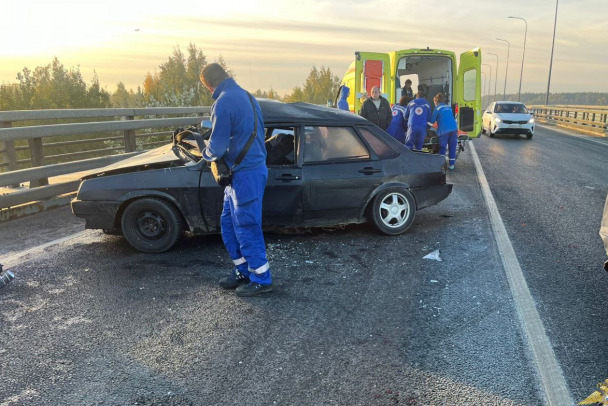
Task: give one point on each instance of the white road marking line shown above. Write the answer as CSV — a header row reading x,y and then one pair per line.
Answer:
x,y
13,259
551,375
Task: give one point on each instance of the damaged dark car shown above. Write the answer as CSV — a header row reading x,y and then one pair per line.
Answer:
x,y
326,167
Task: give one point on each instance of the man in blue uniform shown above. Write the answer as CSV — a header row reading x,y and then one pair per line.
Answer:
x,y
417,115
447,129
232,118
399,123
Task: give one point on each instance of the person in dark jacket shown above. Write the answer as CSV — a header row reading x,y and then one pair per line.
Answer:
x,y
232,115
343,102
398,124
407,90
377,109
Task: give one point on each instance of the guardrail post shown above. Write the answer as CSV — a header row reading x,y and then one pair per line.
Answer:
x,y
11,154
550,118
130,141
37,158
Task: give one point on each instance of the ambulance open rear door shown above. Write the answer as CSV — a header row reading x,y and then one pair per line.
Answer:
x,y
371,69
468,92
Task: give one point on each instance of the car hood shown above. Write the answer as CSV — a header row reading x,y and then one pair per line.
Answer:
x,y
161,157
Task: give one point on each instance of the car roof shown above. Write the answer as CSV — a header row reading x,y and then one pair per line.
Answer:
x,y
509,102
306,113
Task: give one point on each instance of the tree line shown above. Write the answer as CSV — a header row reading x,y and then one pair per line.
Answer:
x,y
175,83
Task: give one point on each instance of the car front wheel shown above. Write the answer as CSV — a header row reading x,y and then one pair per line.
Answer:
x,y
393,211
151,225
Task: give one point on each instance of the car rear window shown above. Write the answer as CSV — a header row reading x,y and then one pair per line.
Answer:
x,y
381,149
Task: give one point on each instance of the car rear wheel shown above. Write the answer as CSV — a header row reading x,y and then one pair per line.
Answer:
x,y
151,225
393,211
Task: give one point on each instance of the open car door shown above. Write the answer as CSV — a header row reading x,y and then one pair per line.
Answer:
x,y
468,92
371,69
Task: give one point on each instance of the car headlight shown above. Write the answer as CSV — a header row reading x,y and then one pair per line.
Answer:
x,y
531,120
497,119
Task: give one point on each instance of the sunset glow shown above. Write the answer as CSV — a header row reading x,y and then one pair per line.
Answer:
x,y
274,45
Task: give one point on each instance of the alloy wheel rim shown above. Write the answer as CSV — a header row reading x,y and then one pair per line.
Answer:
x,y
394,210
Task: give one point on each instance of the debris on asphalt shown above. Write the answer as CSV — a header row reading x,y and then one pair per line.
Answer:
x,y
433,255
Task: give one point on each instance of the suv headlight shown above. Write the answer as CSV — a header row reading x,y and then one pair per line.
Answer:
x,y
497,119
531,120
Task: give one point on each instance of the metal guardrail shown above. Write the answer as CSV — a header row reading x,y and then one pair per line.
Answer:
x,y
133,125
588,119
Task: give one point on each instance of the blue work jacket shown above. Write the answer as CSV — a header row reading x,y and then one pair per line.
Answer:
x,y
232,120
445,119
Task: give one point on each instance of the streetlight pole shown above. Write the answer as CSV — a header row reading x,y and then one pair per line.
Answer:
x,y
485,84
489,66
495,76
504,91
552,46
521,74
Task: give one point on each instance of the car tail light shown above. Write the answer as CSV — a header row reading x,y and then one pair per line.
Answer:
x,y
456,110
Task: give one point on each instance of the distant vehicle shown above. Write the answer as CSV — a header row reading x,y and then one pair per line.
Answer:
x,y
432,70
503,117
326,167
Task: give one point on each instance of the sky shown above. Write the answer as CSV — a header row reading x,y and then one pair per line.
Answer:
x,y
274,44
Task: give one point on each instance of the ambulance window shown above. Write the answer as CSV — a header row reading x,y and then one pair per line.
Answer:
x,y
470,81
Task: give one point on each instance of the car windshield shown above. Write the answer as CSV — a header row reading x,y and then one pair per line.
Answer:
x,y
510,108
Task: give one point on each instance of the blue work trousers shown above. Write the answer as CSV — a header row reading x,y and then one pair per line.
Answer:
x,y
241,222
451,139
415,137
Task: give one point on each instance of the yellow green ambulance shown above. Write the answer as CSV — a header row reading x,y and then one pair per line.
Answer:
x,y
433,69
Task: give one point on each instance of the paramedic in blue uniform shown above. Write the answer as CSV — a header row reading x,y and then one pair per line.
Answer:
x,y
447,129
417,115
232,118
343,102
399,123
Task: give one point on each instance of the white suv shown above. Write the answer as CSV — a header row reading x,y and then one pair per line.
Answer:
x,y
504,117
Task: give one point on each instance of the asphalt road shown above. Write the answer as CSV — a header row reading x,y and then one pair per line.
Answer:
x,y
356,318
551,192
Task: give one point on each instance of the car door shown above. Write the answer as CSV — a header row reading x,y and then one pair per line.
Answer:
x,y
284,188
468,92
339,173
372,69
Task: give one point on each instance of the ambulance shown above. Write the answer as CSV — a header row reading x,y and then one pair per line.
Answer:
x,y
431,70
